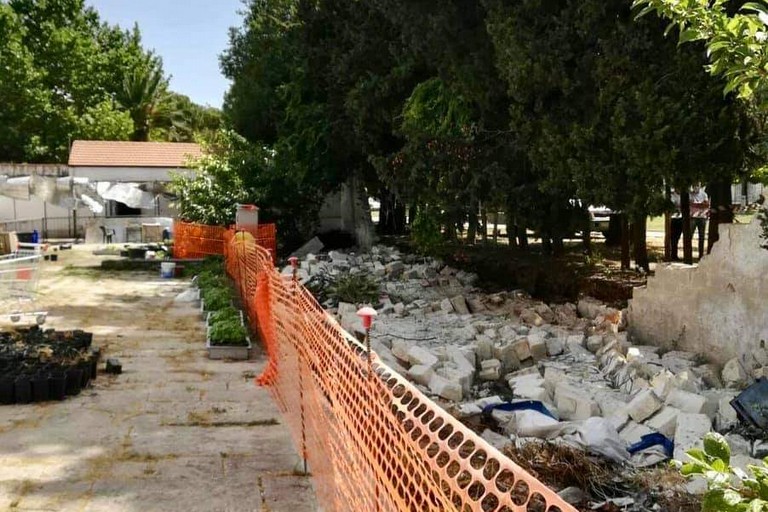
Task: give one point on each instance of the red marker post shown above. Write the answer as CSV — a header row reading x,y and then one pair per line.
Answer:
x,y
367,314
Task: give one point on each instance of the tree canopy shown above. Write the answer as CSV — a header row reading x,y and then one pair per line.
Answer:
x,y
64,75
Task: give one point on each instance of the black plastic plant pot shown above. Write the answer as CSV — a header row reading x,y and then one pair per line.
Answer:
x,y
22,389
85,367
74,381
6,390
94,362
57,385
40,388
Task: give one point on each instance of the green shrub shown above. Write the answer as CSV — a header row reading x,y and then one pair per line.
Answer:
x,y
354,288
229,332
224,315
729,489
217,298
425,232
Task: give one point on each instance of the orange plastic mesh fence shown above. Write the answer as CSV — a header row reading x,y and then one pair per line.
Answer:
x,y
373,441
200,240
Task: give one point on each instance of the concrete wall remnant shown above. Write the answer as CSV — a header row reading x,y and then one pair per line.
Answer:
x,y
718,309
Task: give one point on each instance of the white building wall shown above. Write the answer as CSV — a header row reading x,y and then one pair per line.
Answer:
x,y
127,174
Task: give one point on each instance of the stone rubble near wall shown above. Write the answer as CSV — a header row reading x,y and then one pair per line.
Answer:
x,y
458,344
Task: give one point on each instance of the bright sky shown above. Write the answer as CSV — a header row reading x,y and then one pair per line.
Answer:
x,y
188,34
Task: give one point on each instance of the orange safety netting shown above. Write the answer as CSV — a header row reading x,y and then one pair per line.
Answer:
x,y
372,440
199,240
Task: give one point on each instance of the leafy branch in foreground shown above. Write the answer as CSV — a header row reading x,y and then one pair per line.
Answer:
x,y
729,489
736,44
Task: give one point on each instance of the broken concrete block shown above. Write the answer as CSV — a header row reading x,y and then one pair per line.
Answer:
x,y
490,370
483,347
709,374
537,346
420,374
573,403
552,377
470,409
665,421
522,349
314,246
446,306
400,349
346,308
687,402
760,449
459,304
739,445
634,432
555,346
618,418
476,306
452,373
399,309
531,317
353,324
595,343
726,417
734,375
395,268
450,390
663,383
643,405
507,355
528,391
690,432
422,356
590,308
489,400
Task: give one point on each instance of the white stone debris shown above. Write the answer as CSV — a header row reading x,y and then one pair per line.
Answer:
x,y
466,347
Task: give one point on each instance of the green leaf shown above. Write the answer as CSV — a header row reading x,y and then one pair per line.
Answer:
x,y
689,35
716,446
720,500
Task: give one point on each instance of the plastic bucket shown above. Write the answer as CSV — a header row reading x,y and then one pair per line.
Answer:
x,y
167,270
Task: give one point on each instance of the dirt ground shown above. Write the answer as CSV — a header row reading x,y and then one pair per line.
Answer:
x,y
174,432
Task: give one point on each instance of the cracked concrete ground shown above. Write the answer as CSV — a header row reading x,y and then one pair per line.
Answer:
x,y
174,432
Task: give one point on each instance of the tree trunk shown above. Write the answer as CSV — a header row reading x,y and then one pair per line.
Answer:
x,y
411,214
391,215
586,235
639,231
668,227
496,228
558,248
484,224
625,256
720,210
522,237
685,210
472,223
613,235
546,243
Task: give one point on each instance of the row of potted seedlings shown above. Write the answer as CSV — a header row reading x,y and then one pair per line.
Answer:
x,y
38,366
226,333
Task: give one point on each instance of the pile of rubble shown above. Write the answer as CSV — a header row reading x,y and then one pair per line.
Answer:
x,y
475,350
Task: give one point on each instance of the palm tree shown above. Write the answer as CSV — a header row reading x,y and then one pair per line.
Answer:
x,y
146,98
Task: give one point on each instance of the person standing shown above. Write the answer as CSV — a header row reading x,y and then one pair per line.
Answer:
x,y
676,224
699,214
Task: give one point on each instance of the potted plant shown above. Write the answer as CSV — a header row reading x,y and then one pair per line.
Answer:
x,y
227,337
214,299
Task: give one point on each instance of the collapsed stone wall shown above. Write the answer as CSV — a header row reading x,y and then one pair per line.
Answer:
x,y
718,309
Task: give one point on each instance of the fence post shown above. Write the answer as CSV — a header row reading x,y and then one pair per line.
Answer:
x,y
294,261
367,314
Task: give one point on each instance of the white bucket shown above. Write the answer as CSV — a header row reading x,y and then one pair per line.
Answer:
x,y
167,269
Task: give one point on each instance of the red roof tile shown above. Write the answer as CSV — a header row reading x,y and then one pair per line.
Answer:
x,y
97,153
